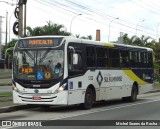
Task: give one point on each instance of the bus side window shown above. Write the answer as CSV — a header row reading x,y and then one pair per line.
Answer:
x,y
150,60
102,56
143,61
133,59
114,58
124,58
90,52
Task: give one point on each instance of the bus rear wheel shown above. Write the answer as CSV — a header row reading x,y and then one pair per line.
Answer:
x,y
133,96
89,99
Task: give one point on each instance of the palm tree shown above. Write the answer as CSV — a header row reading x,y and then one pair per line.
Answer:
x,y
37,31
49,29
77,35
89,37
134,40
127,40
142,41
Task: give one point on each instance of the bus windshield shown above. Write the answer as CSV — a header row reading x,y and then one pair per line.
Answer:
x,y
39,64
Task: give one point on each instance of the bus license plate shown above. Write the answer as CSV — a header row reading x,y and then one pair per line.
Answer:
x,y
36,98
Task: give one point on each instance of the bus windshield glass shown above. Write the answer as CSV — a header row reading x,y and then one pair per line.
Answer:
x,y
40,64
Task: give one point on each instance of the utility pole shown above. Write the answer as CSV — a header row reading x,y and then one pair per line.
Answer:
x,y
25,15
1,37
20,23
6,28
18,27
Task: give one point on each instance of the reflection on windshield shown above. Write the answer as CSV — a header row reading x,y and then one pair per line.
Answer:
x,y
38,65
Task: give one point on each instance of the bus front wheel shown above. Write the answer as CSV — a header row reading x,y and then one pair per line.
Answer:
x,y
89,99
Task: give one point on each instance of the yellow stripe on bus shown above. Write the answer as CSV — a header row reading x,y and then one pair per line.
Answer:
x,y
108,44
134,77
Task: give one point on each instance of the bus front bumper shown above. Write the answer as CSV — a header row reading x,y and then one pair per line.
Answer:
x,y
42,99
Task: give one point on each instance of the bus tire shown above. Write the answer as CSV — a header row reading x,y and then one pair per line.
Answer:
x,y
89,99
133,96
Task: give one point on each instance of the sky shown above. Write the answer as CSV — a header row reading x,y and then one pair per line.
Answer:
x,y
134,17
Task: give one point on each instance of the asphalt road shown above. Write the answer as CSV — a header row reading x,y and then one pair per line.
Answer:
x,y
6,80
5,88
146,108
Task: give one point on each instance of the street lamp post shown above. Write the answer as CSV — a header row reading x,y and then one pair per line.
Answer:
x,y
157,30
138,24
6,28
72,21
10,26
110,26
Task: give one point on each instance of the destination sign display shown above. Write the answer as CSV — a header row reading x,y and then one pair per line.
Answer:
x,y
42,42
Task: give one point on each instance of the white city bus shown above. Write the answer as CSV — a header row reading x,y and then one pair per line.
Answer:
x,y
61,70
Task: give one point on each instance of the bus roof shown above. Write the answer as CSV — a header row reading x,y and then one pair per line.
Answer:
x,y
90,42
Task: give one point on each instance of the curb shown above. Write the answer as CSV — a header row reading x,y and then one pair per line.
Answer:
x,y
15,108
154,91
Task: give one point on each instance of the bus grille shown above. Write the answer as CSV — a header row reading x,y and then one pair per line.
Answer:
x,y
42,99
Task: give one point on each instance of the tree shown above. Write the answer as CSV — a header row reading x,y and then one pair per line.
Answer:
x,y
127,40
89,37
137,41
142,41
11,44
49,29
77,35
8,52
35,31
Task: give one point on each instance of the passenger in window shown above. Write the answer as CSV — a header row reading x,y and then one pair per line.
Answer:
x,y
57,69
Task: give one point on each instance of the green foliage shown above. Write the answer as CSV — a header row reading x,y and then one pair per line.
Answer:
x,y
5,97
5,83
156,66
11,44
127,40
89,37
49,29
6,94
137,41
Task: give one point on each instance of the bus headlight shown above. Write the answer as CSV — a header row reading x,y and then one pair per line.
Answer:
x,y
61,88
15,88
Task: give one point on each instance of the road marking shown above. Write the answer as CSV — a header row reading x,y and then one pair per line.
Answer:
x,y
101,110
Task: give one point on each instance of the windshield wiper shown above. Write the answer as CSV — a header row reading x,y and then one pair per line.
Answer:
x,y
44,55
29,54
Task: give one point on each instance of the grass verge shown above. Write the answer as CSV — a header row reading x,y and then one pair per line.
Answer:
x,y
5,83
9,94
5,75
5,96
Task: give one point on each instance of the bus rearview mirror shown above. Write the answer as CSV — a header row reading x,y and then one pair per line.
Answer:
x,y
75,59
